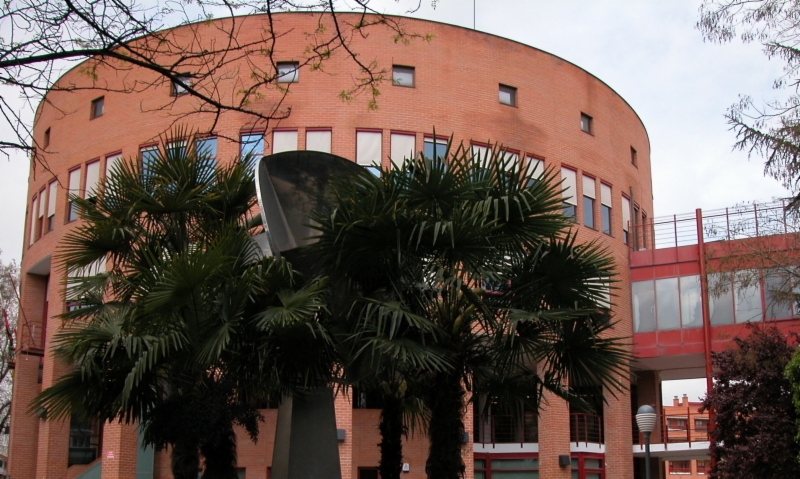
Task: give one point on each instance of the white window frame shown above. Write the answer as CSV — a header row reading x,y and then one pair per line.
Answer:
x,y
319,140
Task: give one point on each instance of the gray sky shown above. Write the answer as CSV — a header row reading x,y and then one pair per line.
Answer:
x,y
648,51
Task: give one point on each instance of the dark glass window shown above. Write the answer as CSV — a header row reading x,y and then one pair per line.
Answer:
x,y
588,212
586,123
605,213
84,441
98,105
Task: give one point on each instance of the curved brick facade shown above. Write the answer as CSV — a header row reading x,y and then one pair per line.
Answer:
x,y
457,77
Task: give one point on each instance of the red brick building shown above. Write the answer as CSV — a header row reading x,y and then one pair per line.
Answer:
x,y
478,87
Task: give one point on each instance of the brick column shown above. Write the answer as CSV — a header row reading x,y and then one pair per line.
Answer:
x,y
120,445
344,420
22,446
618,434
553,437
53,450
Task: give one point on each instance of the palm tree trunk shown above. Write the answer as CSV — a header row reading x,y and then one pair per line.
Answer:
x,y
392,431
446,428
220,456
185,462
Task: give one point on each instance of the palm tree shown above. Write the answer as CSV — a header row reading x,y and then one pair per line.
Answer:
x,y
416,247
179,322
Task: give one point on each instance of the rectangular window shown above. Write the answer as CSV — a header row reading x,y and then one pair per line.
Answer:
x,y
252,144
318,140
534,170
589,196
747,293
84,441
46,140
777,294
206,149
703,466
288,72
626,219
112,164
605,208
402,148
98,105
511,159
634,161
570,201
180,83
51,205
368,150
34,208
434,148
149,156
176,149
42,207
720,299
92,178
402,76
644,306
508,95
284,141
586,123
74,191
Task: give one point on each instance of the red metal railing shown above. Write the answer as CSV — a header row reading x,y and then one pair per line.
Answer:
x,y
737,222
506,429
586,428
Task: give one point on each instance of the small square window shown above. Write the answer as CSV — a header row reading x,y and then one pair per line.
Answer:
x,y
586,123
288,72
508,95
97,107
46,140
179,86
634,160
402,76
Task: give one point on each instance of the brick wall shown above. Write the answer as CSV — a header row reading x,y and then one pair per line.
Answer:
x,y
456,91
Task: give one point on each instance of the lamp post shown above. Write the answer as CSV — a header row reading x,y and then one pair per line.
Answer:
x,y
646,420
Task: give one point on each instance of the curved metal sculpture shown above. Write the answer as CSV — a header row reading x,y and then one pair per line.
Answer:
x,y
289,185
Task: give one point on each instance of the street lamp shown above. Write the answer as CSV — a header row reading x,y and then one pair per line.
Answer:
x,y
646,420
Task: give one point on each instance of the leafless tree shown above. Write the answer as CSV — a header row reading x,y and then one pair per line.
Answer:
x,y
41,39
752,244
9,307
772,129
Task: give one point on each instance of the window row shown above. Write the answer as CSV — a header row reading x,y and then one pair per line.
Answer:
x,y
739,297
583,466
82,181
369,152
590,187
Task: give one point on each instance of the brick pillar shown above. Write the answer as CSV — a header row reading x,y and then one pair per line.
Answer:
x,y
553,437
344,420
618,433
120,445
53,436
22,446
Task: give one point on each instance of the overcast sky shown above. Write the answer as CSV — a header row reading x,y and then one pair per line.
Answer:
x,y
648,51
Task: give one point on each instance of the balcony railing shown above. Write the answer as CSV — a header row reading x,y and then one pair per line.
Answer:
x,y
502,429
690,426
737,222
586,428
